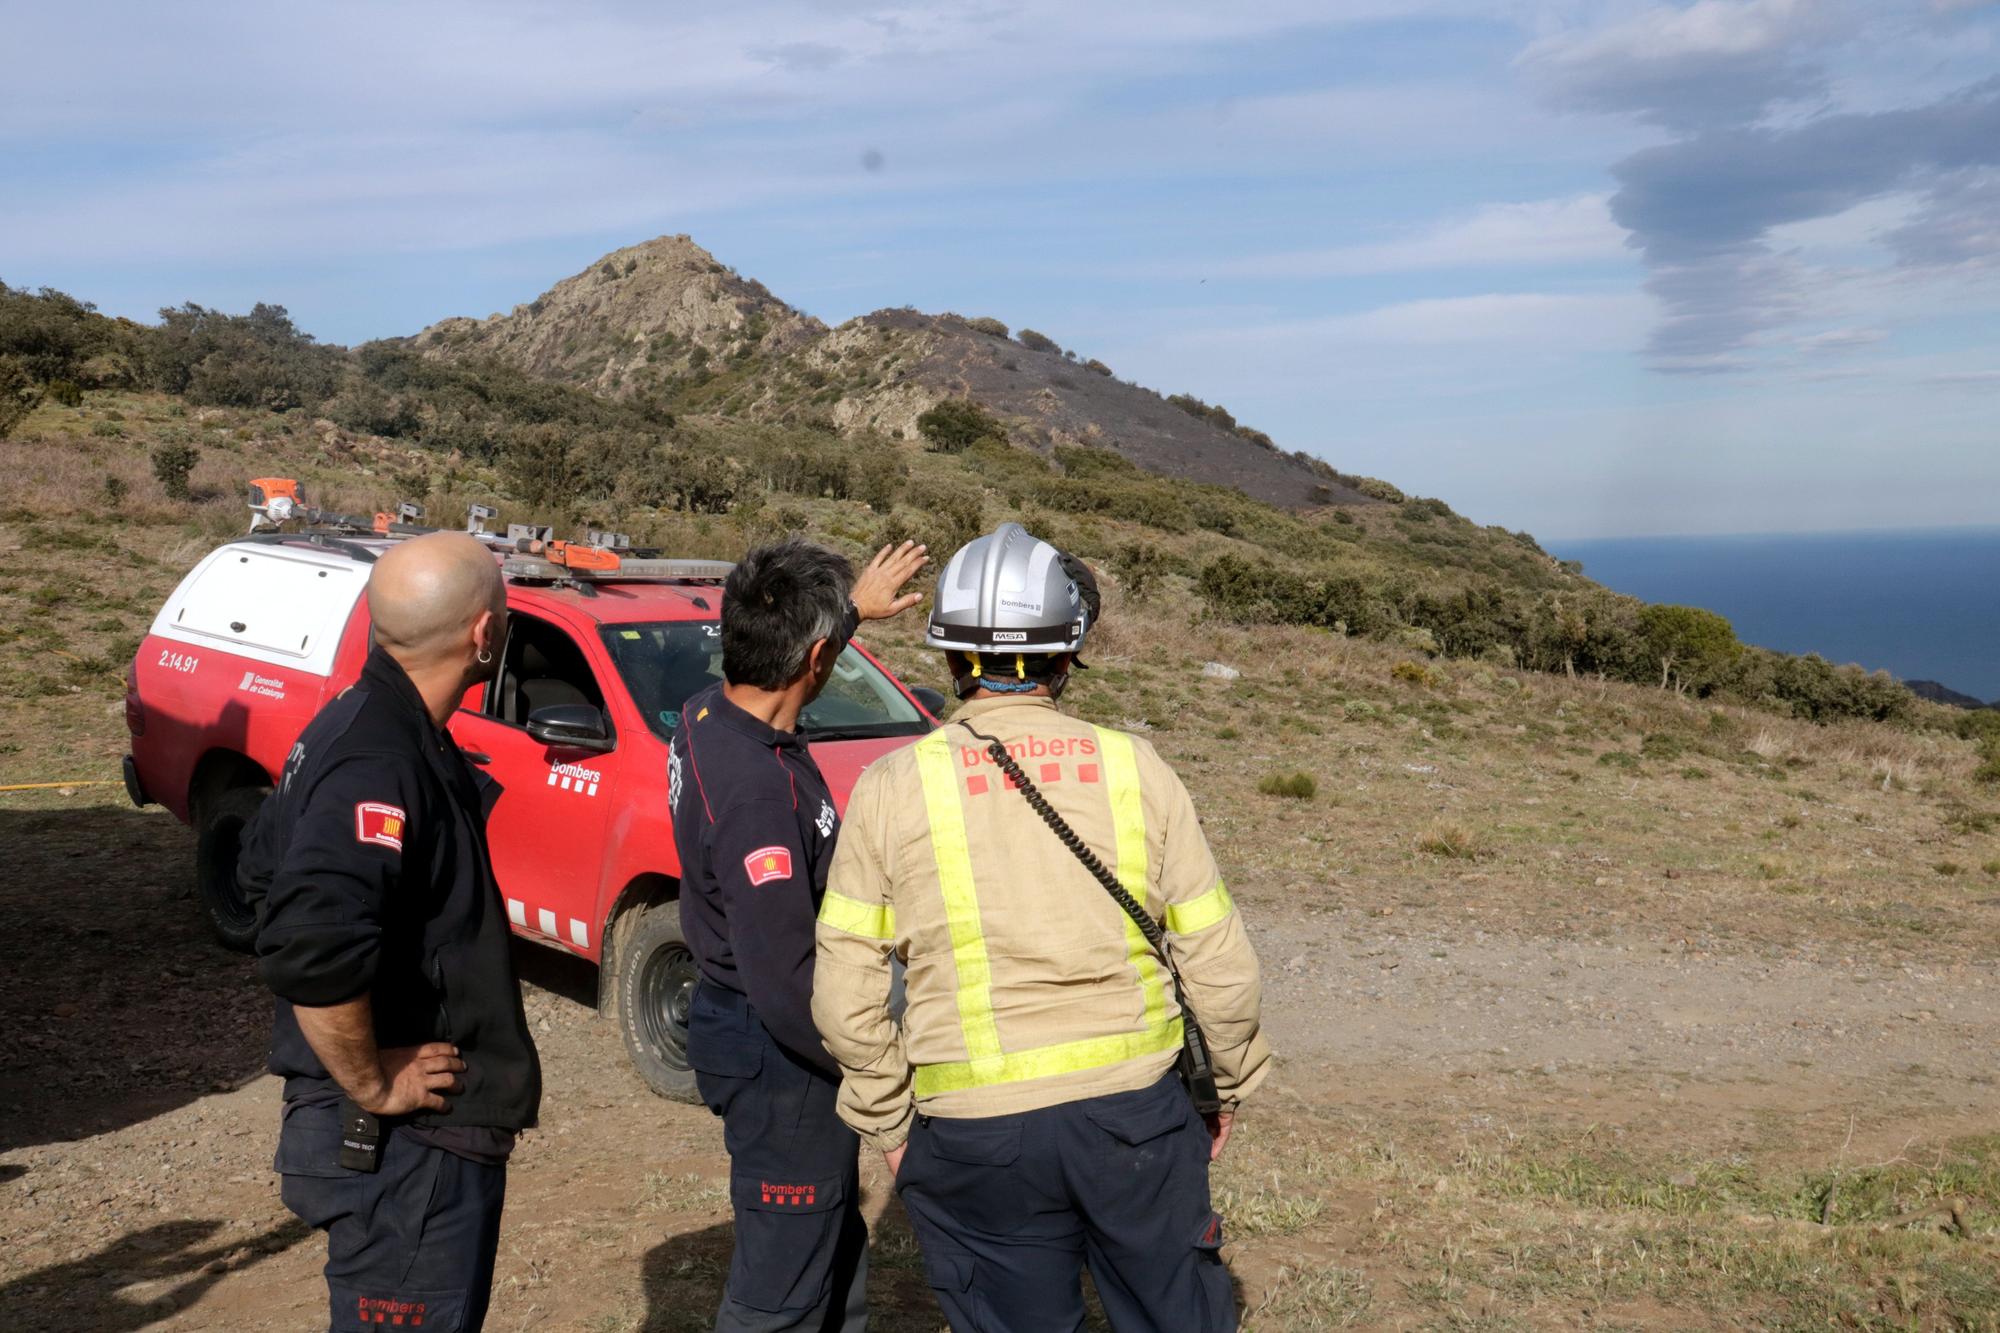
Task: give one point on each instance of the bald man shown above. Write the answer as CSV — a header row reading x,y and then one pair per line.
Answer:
x,y
406,1057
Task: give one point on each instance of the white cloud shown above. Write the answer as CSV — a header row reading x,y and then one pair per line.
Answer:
x,y
1712,62
1543,232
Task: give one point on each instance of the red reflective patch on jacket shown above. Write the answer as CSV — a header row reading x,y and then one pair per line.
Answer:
x,y
767,864
380,824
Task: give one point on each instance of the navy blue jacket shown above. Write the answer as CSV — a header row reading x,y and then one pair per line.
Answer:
x,y
369,871
754,824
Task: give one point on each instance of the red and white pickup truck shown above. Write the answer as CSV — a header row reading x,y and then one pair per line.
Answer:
x,y
266,629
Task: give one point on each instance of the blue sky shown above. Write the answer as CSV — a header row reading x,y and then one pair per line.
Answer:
x,y
1582,268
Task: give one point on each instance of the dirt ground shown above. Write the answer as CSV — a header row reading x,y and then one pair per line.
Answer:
x,y
136,1127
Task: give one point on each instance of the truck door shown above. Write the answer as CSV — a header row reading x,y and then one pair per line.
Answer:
x,y
547,832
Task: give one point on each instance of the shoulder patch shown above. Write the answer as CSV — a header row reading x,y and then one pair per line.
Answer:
x,y
379,824
768,864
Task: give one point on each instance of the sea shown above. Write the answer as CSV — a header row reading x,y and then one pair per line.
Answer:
x,y
1923,605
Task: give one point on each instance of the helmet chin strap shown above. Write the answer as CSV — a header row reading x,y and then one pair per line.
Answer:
x,y
977,679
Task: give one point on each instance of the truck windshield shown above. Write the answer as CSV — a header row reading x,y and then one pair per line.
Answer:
x,y
666,664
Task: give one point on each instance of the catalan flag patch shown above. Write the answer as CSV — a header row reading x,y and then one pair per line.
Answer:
x,y
768,864
380,824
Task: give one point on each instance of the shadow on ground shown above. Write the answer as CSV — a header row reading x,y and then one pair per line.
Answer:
x,y
115,1004
91,1293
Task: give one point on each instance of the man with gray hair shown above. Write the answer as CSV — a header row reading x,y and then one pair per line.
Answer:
x,y
754,823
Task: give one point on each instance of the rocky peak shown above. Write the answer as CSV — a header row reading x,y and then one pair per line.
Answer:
x,y
639,315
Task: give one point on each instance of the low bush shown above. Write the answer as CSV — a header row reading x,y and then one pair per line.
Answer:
x,y
1291,786
1452,841
955,424
1038,342
171,464
1414,673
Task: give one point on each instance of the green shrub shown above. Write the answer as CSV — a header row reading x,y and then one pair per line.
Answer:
x,y
1140,564
947,516
171,464
1214,413
1376,489
1659,745
1693,648
49,336
1948,868
115,490
989,326
18,395
67,392
1097,367
1622,759
109,430
1038,342
1992,868
880,478
953,425
256,360
1414,673
1292,786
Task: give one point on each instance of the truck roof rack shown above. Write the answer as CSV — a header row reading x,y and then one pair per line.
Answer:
x,y
529,553
352,549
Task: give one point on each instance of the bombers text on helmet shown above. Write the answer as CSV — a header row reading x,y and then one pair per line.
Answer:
x,y
1008,592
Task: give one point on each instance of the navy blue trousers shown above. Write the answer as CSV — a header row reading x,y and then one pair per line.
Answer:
x,y
1008,1210
410,1245
801,1256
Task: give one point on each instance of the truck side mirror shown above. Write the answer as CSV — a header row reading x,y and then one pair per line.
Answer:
x,y
571,727
932,700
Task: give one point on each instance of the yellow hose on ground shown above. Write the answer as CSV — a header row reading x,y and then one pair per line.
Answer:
x,y
51,786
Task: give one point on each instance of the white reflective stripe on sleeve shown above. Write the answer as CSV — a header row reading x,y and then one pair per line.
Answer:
x,y
548,920
517,912
578,935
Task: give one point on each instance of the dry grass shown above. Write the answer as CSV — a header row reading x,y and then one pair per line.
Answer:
x,y
1454,842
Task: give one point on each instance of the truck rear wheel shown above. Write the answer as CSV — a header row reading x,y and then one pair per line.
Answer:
x,y
230,915
656,980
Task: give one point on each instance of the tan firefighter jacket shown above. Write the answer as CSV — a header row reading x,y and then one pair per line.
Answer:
x,y
1027,985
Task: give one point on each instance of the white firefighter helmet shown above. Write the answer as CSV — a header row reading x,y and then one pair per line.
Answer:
x,y
1012,592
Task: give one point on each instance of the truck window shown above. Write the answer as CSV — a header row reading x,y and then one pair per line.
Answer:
x,y
664,664
542,667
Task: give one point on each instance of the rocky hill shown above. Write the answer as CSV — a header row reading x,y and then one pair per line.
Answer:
x,y
666,319
1939,693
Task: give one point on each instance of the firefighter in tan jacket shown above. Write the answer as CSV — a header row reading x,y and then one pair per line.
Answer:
x,y
1028,1103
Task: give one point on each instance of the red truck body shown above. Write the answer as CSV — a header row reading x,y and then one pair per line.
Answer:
x,y
265,630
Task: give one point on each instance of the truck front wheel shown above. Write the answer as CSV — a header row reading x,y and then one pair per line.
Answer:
x,y
656,980
230,915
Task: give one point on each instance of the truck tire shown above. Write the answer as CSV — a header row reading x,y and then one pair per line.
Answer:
x,y
230,915
656,979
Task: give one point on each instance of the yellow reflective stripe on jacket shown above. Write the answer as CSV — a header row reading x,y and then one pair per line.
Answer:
x,y
1128,820
961,901
857,918
1198,914
1064,1058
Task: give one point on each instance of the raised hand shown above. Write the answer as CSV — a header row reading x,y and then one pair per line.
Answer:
x,y
876,591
